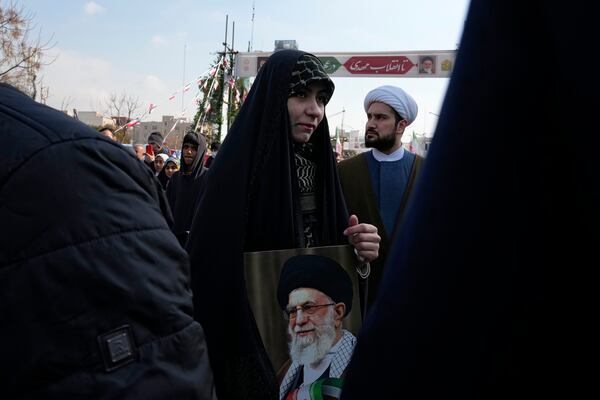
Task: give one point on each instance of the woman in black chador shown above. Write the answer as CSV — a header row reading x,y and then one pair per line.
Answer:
x,y
186,184
273,186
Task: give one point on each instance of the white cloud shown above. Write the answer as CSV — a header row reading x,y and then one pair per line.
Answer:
x,y
154,84
92,8
86,83
217,16
158,40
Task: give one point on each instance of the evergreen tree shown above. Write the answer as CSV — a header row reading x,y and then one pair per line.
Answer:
x,y
209,117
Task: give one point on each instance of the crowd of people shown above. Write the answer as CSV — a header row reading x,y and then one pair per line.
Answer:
x,y
123,274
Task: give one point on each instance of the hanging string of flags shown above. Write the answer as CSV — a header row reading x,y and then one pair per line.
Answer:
x,y
201,82
213,87
137,120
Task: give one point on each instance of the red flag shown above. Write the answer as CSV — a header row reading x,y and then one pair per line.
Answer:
x,y
174,125
338,146
133,123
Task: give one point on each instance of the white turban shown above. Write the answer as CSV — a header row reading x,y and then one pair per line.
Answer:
x,y
396,98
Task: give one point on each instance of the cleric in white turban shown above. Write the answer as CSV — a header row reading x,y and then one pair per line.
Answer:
x,y
377,183
396,98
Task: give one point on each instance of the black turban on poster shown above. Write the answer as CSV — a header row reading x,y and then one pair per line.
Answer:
x,y
317,272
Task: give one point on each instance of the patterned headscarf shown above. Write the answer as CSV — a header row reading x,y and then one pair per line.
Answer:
x,y
174,160
309,69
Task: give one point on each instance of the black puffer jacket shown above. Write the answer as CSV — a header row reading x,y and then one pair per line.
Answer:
x,y
95,300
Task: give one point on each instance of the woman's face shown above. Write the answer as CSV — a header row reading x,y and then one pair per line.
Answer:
x,y
159,163
189,153
170,169
306,109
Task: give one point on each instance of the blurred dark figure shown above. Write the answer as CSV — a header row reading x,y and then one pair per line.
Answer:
x,y
107,131
94,293
483,293
157,141
214,149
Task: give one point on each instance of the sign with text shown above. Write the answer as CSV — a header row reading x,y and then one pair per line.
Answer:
x,y
420,64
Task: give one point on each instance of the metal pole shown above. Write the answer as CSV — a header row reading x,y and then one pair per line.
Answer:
x,y
229,91
343,133
222,94
183,79
251,42
232,35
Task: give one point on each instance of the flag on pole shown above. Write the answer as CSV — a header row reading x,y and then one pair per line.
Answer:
x,y
133,123
338,144
412,144
172,96
151,107
187,87
174,125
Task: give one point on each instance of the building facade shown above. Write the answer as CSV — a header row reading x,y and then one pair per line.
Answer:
x,y
173,140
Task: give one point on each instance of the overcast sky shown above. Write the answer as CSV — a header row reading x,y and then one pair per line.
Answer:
x,y
137,46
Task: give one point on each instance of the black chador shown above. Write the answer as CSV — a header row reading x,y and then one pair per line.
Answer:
x,y
185,186
252,202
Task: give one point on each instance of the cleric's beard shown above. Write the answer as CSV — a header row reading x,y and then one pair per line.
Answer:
x,y
312,349
382,143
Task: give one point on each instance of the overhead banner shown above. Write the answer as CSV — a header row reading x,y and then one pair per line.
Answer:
x,y
419,64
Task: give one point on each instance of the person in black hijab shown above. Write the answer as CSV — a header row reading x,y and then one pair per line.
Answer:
x,y
483,295
185,185
273,186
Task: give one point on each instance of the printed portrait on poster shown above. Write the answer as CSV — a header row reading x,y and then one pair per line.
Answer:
x,y
427,64
262,272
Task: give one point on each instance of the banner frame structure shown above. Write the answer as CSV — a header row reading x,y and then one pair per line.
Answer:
x,y
392,64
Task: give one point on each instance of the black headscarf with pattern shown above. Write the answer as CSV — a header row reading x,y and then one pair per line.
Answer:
x,y
251,203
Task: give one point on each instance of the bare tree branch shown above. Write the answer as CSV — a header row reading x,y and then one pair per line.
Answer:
x,y
21,58
65,103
